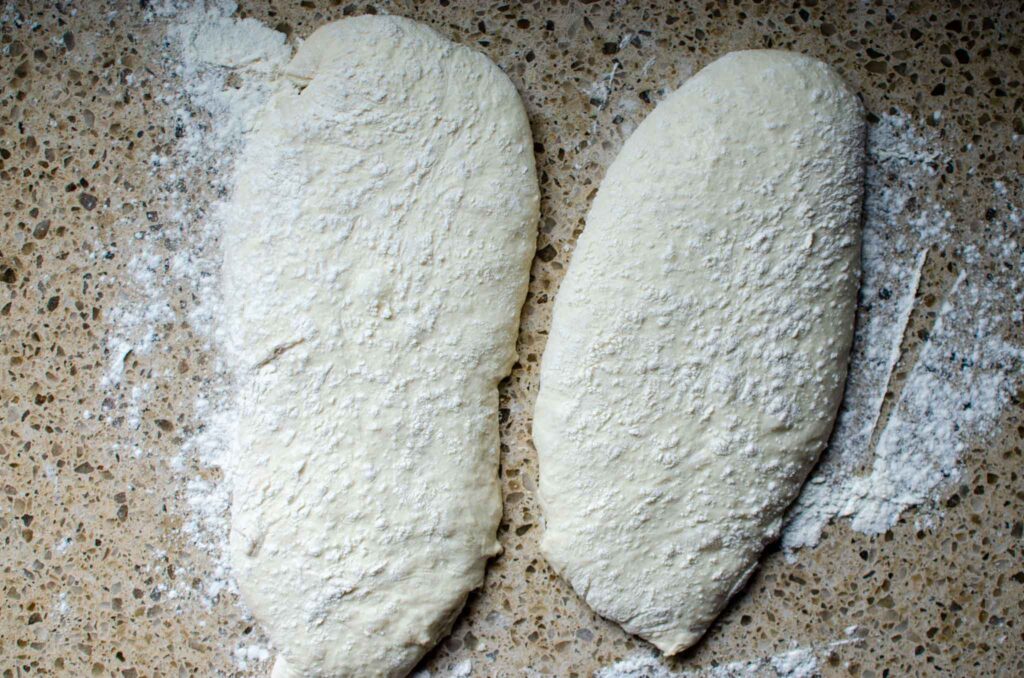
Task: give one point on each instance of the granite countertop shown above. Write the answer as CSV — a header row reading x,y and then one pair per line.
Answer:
x,y
99,574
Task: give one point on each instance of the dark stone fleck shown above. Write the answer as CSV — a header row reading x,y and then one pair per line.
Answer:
x,y
87,200
547,253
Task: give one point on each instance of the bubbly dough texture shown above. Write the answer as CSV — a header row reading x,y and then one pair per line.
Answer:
x,y
699,341
377,254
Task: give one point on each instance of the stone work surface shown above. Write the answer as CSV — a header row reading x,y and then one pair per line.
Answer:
x,y
98,576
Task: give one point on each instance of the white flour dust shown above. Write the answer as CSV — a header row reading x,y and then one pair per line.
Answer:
x,y
462,669
796,663
224,75
963,375
220,72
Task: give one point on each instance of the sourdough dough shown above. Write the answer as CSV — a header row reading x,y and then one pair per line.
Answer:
x,y
377,253
699,341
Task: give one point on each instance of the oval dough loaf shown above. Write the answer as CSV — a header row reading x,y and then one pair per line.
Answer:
x,y
699,341
377,254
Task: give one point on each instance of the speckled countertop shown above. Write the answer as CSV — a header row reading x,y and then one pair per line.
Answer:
x,y
91,533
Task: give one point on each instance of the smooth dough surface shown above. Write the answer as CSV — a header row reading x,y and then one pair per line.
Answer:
x,y
377,254
699,341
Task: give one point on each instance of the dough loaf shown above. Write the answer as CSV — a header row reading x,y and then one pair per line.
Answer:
x,y
699,341
377,253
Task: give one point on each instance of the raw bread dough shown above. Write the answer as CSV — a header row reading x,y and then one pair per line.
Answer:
x,y
377,253
699,341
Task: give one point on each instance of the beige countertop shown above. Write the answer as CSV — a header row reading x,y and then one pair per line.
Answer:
x,y
98,577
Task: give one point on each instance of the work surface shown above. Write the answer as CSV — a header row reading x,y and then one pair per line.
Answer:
x,y
106,568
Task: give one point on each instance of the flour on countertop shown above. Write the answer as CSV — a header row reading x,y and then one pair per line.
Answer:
x,y
964,373
225,71
795,663
227,67
462,669
214,97
220,71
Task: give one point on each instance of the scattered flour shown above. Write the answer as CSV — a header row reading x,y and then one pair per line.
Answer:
x,y
958,386
462,669
796,663
601,89
964,374
246,655
225,69
221,71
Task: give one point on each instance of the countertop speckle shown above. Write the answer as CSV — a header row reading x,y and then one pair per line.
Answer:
x,y
92,539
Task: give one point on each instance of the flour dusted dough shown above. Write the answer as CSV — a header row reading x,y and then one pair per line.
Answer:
x,y
376,257
699,341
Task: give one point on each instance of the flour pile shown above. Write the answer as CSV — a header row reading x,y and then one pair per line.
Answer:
x,y
963,375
